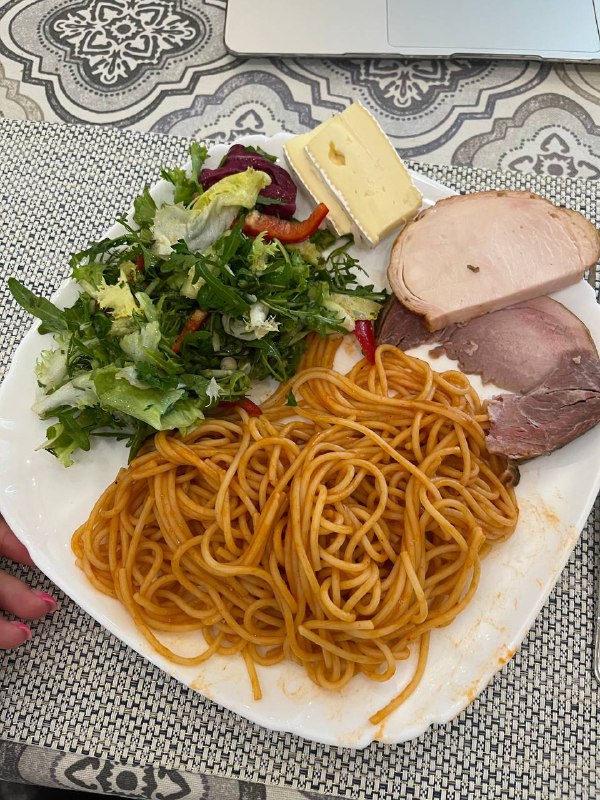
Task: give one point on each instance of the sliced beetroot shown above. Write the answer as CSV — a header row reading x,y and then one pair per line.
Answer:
x,y
238,159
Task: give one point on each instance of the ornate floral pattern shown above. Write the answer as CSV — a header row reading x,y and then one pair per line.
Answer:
x,y
251,101
409,84
115,39
547,135
422,104
15,105
556,157
112,61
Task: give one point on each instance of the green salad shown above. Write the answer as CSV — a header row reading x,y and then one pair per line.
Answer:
x,y
184,310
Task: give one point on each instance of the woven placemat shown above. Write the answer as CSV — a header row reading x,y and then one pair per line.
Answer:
x,y
532,734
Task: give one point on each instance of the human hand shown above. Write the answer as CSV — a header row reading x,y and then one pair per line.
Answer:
x,y
15,596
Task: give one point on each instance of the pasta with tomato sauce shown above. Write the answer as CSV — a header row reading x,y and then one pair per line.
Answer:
x,y
337,533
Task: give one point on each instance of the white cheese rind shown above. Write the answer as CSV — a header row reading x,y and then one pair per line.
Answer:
x,y
306,174
360,166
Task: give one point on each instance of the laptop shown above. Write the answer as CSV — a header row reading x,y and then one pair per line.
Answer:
x,y
558,30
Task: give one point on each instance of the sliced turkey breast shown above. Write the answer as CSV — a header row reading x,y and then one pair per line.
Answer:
x,y
475,253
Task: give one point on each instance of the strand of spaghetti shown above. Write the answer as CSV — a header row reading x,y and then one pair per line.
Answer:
x,y
128,601
379,716
416,587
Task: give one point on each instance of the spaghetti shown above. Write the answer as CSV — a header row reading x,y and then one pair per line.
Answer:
x,y
336,533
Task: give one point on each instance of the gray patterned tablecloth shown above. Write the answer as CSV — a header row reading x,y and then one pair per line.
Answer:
x,y
162,67
79,709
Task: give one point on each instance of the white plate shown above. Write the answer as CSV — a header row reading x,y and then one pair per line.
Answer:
x,y
44,502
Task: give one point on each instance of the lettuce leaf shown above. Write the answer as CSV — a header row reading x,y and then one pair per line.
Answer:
x,y
147,405
350,308
209,216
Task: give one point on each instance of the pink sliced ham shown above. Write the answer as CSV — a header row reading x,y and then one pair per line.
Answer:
x,y
475,253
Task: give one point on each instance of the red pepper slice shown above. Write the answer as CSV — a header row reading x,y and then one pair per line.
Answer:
x,y
139,262
244,402
193,323
287,231
365,334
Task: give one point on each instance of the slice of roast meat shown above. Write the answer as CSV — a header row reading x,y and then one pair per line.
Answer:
x,y
470,254
518,346
514,347
401,327
563,407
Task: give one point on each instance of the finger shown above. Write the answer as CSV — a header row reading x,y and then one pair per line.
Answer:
x,y
18,599
11,547
13,634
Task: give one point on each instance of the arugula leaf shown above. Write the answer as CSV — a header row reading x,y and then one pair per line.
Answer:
x,y
73,431
187,188
198,155
144,209
259,151
140,433
53,319
291,400
217,294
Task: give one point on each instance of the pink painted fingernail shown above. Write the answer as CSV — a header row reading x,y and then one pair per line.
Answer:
x,y
48,599
23,628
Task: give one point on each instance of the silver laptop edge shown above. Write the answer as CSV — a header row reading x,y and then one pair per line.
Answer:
x,y
415,28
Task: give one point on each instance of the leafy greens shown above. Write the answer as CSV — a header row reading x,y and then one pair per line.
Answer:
x,y
126,359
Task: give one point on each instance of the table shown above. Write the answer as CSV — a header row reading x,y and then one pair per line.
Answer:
x,y
77,708
161,67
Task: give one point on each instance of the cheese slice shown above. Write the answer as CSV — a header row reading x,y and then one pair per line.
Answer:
x,y
360,166
306,174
